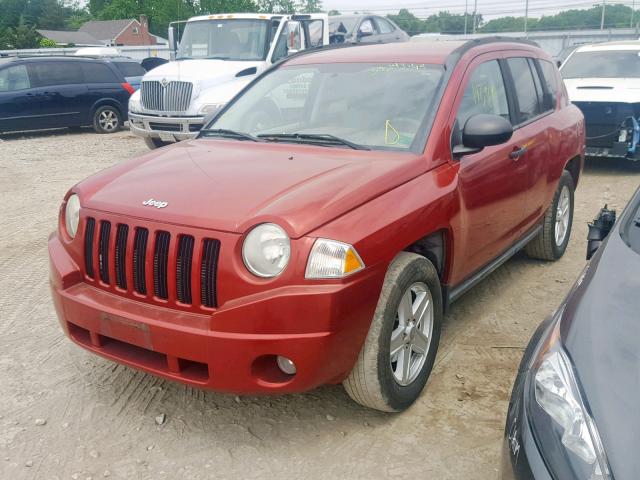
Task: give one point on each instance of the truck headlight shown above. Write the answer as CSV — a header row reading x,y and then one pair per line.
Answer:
x,y
134,102
332,259
266,250
567,424
208,108
72,215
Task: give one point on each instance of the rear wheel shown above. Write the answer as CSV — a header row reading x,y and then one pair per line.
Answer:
x,y
400,349
552,241
107,119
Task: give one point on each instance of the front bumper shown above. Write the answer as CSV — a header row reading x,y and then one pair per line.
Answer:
x,y
165,128
521,457
202,349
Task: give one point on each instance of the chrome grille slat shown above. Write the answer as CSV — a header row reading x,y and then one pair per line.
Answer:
x,y
175,96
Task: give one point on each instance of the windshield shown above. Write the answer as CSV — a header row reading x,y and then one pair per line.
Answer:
x,y
603,64
380,106
236,39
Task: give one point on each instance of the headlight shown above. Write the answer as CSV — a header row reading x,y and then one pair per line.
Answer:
x,y
134,102
72,215
557,394
332,259
266,250
210,108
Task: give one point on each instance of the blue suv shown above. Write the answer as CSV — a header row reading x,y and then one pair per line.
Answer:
x,y
52,92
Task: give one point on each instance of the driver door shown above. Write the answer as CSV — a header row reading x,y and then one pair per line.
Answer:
x,y
299,33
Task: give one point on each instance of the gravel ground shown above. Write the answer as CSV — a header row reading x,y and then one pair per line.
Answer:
x,y
65,413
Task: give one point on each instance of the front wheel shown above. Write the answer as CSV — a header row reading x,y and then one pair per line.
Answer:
x,y
154,143
400,349
107,119
552,241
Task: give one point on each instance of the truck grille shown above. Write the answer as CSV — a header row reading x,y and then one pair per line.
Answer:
x,y
174,96
160,266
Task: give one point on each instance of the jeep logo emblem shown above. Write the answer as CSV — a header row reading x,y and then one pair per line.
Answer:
x,y
155,203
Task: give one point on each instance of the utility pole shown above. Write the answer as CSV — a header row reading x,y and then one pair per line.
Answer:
x,y
526,16
604,5
466,6
475,10
633,10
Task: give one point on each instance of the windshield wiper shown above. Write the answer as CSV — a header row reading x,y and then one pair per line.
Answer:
x,y
223,132
217,58
312,138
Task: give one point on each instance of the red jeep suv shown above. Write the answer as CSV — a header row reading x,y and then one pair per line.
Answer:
x,y
324,220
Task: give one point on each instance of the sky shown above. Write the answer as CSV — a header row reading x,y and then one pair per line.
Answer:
x,y
489,8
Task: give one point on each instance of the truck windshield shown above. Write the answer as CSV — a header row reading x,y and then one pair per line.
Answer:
x,y
228,39
603,64
380,106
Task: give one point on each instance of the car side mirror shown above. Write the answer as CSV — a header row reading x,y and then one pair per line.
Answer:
x,y
599,229
364,33
559,63
483,130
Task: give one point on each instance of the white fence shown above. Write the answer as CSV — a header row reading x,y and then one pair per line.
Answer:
x,y
552,42
138,53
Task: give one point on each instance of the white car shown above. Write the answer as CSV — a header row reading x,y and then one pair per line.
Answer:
x,y
217,57
603,80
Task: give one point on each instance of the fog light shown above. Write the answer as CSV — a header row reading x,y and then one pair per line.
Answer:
x,y
286,365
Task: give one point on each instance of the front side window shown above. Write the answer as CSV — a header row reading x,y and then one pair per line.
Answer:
x,y
231,39
485,93
366,27
525,87
380,106
14,78
603,64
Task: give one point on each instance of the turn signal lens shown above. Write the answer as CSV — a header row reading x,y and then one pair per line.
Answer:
x,y
332,259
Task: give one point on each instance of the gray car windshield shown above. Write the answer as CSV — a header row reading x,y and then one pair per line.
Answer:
x,y
378,106
229,39
603,64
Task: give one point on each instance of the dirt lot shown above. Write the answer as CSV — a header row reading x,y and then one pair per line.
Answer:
x,y
99,417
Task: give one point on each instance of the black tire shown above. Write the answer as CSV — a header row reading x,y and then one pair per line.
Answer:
x,y
107,119
544,246
372,382
154,143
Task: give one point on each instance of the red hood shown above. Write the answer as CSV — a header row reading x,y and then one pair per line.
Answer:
x,y
232,185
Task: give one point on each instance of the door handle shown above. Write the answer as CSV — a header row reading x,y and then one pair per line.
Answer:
x,y
517,153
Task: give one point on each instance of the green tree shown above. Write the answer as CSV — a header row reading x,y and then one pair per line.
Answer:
x,y
47,43
309,6
333,13
276,6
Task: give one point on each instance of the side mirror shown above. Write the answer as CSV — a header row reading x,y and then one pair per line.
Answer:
x,y
172,42
599,229
559,63
483,130
364,33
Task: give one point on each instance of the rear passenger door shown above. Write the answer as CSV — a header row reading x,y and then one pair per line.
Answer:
x,y
531,132
102,84
387,32
59,89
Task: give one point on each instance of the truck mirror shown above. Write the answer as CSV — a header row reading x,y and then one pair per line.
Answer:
x,y
172,42
294,37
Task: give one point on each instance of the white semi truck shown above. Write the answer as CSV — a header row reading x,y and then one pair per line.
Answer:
x,y
217,56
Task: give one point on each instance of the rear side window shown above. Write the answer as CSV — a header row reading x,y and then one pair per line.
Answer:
x,y
14,78
485,93
130,69
384,26
45,74
525,89
548,71
99,73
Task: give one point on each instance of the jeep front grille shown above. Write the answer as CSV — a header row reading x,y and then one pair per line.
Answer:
x,y
155,265
174,96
